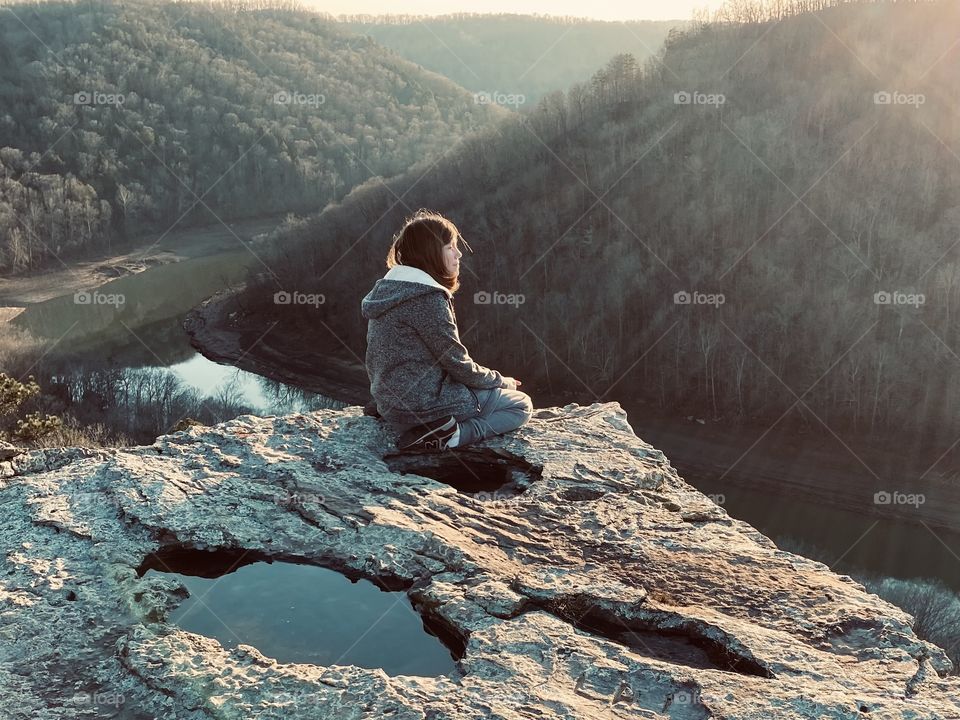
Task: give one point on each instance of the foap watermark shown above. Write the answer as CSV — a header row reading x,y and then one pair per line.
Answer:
x,y
692,697
718,498
698,298
498,298
283,297
97,498
112,698
286,97
494,499
886,97
506,692
298,499
499,98
899,498
294,697
699,98
897,297
94,97
96,297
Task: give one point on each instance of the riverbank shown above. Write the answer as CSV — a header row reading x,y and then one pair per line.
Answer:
x,y
227,334
884,481
136,256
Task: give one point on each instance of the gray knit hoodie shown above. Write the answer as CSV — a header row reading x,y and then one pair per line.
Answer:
x,y
419,370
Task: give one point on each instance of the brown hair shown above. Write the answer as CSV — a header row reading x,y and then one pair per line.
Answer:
x,y
420,242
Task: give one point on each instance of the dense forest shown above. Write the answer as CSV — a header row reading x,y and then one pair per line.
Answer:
x,y
512,59
760,224
118,118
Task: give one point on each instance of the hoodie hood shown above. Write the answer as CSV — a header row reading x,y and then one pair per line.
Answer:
x,y
401,283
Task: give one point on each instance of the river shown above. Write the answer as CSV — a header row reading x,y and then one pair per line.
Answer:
x,y
144,330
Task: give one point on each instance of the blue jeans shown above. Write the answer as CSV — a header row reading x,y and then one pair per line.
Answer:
x,y
501,411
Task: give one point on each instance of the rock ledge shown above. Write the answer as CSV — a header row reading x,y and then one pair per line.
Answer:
x,y
567,567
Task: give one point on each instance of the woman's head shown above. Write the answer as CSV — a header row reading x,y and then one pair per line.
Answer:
x,y
430,242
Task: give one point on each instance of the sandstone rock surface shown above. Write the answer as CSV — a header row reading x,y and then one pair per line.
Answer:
x,y
567,566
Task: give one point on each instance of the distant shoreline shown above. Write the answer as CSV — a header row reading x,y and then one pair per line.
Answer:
x,y
138,255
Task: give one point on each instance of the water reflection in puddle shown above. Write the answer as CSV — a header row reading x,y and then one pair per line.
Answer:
x,y
307,614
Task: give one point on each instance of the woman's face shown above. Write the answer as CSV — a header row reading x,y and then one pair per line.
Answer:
x,y
451,257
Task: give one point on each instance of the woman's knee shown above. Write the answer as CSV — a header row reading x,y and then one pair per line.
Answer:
x,y
524,403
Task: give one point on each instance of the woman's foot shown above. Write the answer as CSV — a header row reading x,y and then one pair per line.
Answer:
x,y
434,436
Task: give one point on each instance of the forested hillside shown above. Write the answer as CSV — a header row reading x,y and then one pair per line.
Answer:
x,y
512,56
759,226
120,117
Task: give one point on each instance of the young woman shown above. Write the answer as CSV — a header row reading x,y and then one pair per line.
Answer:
x,y
422,378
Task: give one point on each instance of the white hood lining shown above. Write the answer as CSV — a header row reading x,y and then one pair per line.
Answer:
x,y
408,273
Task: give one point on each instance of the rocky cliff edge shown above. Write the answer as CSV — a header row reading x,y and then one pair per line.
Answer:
x,y
566,566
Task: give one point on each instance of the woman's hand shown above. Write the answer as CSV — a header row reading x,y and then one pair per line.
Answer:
x,y
511,383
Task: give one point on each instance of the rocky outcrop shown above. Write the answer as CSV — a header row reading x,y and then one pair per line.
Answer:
x,y
567,566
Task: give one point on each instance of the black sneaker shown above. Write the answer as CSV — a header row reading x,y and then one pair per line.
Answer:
x,y
430,437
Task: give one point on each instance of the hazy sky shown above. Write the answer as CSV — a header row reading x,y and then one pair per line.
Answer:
x,y
601,9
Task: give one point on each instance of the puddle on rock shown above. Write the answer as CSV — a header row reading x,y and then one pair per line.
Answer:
x,y
298,613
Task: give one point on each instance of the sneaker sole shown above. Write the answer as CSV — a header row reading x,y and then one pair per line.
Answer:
x,y
427,443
